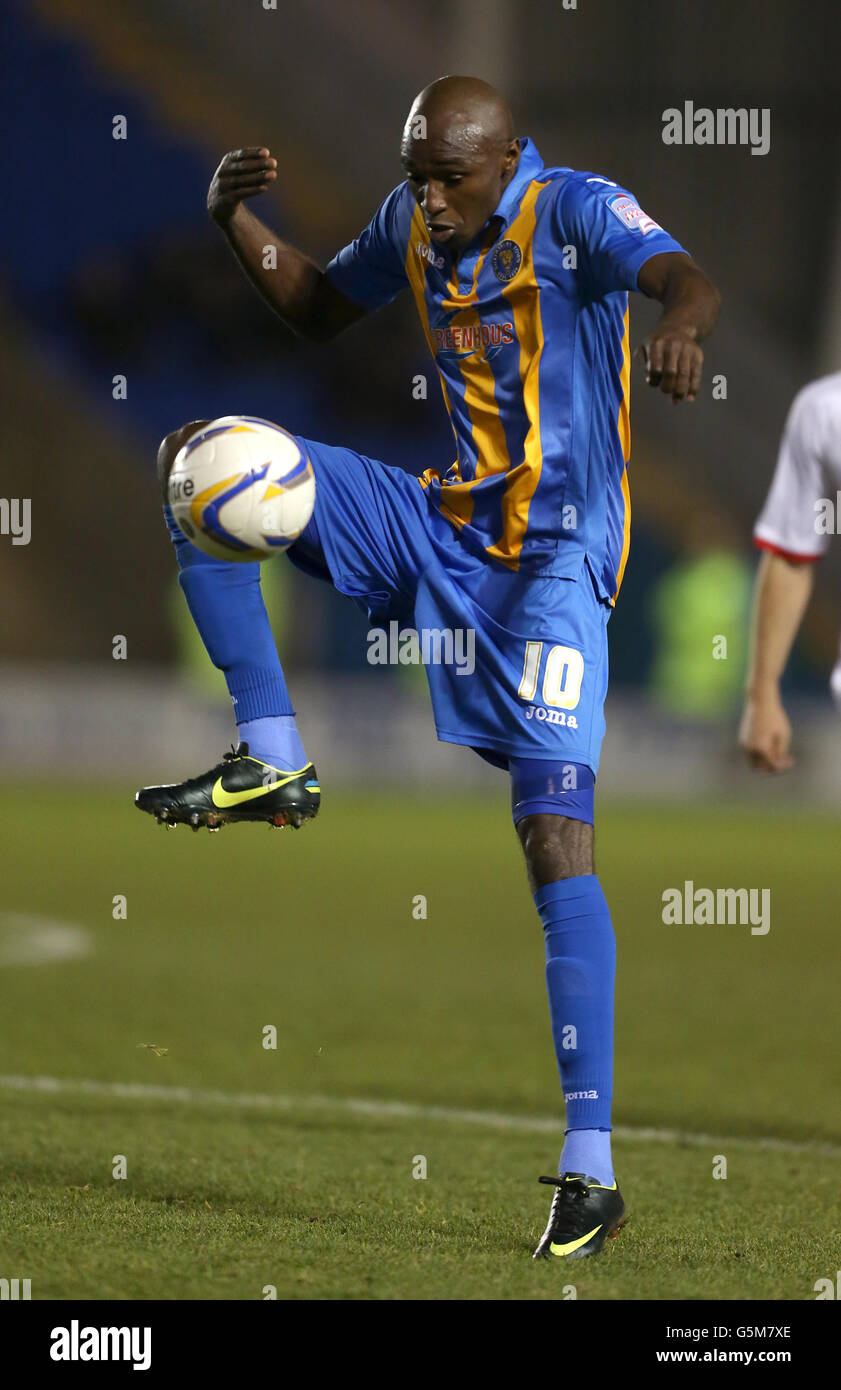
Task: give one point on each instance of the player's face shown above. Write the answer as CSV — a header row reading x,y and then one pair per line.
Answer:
x,y
457,184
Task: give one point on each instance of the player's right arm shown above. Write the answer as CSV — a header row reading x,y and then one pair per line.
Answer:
x,y
295,288
783,589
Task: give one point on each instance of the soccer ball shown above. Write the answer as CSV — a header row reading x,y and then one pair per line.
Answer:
x,y
241,489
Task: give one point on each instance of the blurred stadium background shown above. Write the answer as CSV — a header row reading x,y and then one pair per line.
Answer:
x,y
111,266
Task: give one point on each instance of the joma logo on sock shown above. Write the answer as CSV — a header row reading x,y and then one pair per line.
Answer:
x,y
581,1095
719,907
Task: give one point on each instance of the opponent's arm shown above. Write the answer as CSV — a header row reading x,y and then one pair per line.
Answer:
x,y
691,303
297,289
782,592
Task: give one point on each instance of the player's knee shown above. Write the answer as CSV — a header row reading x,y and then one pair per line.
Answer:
x,y
556,847
169,447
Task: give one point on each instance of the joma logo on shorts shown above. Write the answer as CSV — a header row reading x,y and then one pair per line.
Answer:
x,y
552,716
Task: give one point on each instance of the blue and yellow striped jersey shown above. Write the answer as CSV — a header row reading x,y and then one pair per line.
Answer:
x,y
529,331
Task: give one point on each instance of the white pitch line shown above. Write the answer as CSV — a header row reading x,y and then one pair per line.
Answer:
x,y
392,1109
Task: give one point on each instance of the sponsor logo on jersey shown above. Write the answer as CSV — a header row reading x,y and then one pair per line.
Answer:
x,y
468,338
631,215
506,260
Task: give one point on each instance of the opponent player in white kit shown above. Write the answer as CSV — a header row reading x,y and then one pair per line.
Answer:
x,y
793,532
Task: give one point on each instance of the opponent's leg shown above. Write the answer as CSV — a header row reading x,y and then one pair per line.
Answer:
x,y
268,777
552,805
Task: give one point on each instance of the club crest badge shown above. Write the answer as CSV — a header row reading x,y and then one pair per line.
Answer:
x,y
506,260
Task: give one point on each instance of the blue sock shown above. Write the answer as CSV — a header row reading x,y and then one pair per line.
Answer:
x,y
275,741
587,1151
580,969
226,604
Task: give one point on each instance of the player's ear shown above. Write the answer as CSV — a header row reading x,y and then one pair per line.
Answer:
x,y
510,155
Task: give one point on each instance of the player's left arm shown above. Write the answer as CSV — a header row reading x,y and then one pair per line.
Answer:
x,y
672,353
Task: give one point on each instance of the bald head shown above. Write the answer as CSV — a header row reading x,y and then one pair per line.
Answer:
x,y
464,111
459,153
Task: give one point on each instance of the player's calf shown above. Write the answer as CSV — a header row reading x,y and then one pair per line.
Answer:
x,y
555,847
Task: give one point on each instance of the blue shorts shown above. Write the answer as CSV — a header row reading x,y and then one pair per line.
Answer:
x,y
516,664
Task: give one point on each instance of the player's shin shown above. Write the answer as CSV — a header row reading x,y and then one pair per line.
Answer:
x,y
580,970
226,604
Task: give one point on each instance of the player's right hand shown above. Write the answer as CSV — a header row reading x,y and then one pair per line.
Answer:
x,y
241,174
765,733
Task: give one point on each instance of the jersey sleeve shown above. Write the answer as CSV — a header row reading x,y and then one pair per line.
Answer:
x,y
372,269
613,236
786,523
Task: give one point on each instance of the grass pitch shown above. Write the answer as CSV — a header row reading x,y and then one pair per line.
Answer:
x,y
719,1033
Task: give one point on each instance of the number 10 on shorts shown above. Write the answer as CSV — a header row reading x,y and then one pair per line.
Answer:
x,y
562,675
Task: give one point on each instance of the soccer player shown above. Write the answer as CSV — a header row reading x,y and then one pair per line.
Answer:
x,y
793,531
520,274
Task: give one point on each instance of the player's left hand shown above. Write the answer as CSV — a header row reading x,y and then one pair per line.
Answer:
x,y
673,361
